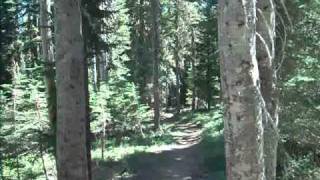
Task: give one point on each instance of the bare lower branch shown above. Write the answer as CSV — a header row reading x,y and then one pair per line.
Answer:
x,y
265,46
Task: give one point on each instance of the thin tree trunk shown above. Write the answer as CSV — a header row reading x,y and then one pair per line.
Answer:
x,y
168,96
86,79
14,107
103,140
184,85
241,93
98,72
265,56
72,95
103,67
155,6
178,102
141,77
88,126
94,74
45,172
193,71
49,74
177,59
37,107
209,74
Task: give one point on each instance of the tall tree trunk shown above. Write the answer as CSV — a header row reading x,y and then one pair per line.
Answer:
x,y
265,56
141,60
98,63
193,70
177,59
94,74
184,85
103,66
85,32
49,74
209,76
155,6
177,64
241,93
88,126
14,107
72,112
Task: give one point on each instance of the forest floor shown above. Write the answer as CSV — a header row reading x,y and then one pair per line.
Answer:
x,y
194,153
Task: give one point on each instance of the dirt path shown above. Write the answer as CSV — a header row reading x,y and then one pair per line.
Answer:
x,y
195,154
183,160
180,161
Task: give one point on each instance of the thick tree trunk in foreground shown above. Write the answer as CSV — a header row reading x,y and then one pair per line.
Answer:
x,y
241,93
49,75
72,160
155,6
265,57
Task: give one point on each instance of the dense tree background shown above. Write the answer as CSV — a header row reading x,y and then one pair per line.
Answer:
x,y
118,50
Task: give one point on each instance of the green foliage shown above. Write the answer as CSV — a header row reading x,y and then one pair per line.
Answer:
x,y
208,72
25,126
192,36
7,36
117,106
299,85
212,144
301,168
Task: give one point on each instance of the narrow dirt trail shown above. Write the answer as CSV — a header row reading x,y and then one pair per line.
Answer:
x,y
179,161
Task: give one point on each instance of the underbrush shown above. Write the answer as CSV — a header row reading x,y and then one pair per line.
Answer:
x,y
298,167
301,168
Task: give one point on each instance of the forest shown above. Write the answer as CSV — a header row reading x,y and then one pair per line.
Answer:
x,y
159,89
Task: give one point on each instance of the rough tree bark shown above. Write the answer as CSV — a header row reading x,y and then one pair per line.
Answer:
x,y
241,93
49,74
156,13
72,160
265,56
